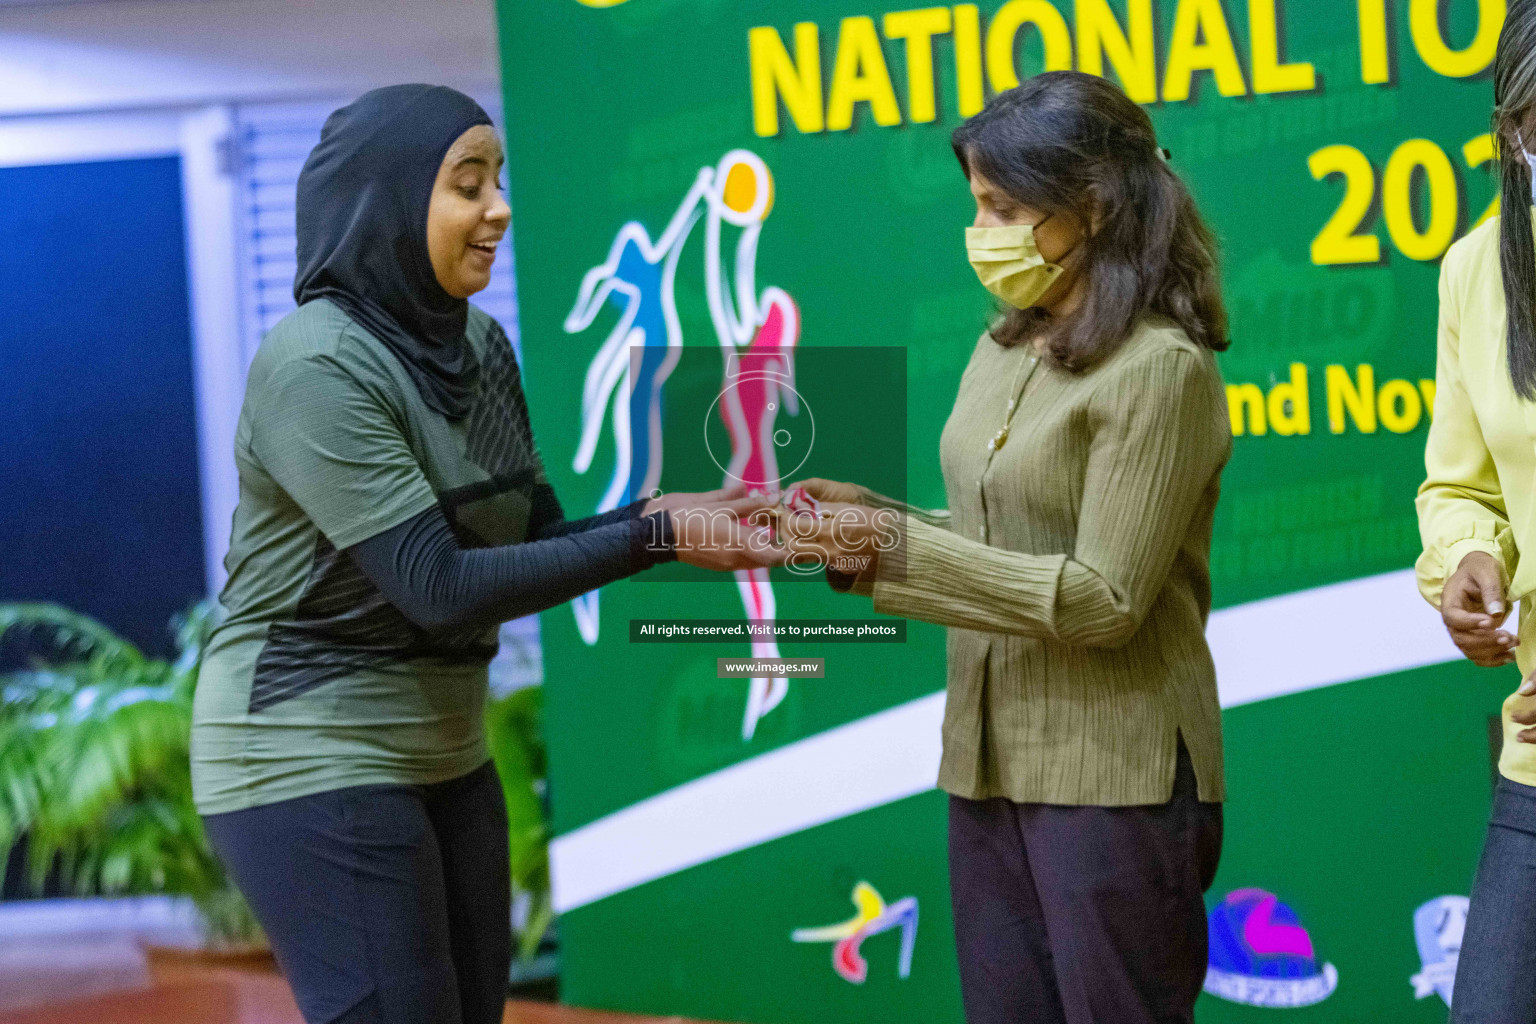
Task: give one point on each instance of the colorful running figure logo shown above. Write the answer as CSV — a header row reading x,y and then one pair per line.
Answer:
x,y
873,917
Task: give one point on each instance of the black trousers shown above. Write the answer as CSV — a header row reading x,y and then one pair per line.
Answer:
x,y
1083,915
386,903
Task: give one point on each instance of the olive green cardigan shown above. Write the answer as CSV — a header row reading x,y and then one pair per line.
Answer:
x,y
1074,575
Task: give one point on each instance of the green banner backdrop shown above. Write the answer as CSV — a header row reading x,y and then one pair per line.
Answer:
x,y
693,177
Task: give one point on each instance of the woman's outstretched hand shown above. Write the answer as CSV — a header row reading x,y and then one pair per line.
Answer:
x,y
691,499
723,530
845,536
1473,607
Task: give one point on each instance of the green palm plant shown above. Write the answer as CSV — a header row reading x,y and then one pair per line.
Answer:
x,y
514,727
94,769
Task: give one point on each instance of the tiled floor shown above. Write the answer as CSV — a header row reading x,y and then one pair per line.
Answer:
x,y
79,948
84,962
214,998
230,997
42,968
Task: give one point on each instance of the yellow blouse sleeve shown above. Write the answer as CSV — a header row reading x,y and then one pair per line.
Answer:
x,y
1460,504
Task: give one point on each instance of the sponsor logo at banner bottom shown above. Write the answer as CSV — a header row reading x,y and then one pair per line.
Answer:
x,y
1262,956
1437,929
874,916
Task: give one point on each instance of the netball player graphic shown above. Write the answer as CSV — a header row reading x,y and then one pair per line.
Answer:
x,y
625,381
633,364
759,381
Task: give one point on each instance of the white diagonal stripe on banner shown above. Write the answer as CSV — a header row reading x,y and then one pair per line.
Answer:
x,y
872,761
1280,645
1357,629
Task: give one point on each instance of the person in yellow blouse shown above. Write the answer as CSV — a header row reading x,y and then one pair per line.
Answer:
x,y
1477,512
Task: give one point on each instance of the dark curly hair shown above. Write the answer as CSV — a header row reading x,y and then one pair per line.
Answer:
x,y
1068,142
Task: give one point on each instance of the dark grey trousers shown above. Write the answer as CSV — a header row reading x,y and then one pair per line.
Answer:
x,y
1083,915
1494,980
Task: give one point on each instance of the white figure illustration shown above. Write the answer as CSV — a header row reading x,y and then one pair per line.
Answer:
x,y
633,363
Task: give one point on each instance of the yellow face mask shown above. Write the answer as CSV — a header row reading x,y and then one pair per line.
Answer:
x,y
1009,265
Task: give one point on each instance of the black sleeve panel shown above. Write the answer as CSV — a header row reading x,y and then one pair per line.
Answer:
x,y
443,587
547,519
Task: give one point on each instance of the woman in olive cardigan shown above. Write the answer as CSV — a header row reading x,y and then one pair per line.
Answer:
x,y
1082,729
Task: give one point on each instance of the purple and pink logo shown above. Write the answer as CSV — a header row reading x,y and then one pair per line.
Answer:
x,y
1262,956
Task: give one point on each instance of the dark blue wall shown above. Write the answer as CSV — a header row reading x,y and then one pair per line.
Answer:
x,y
99,494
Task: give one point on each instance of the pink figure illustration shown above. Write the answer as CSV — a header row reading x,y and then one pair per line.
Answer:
x,y
759,382
756,331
